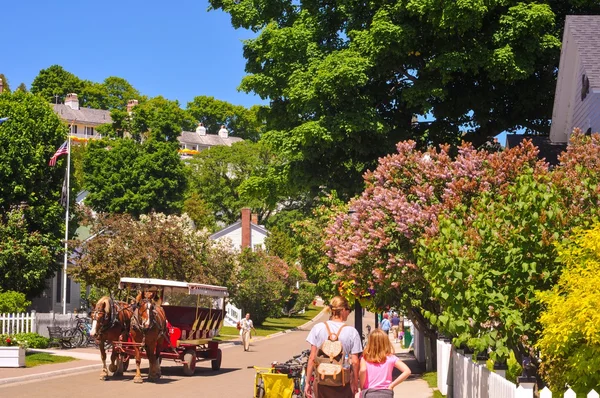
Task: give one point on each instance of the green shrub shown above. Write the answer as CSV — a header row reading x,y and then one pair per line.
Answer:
x,y
12,302
33,340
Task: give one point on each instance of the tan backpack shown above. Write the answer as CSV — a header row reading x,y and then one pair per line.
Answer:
x,y
330,369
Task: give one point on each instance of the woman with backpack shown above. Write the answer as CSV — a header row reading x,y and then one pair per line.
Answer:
x,y
334,355
376,367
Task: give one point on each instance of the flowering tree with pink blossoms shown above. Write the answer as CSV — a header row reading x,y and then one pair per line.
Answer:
x,y
374,247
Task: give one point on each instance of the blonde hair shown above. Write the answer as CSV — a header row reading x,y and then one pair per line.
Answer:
x,y
378,347
337,305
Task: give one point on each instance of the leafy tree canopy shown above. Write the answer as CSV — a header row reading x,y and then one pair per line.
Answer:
x,y
344,80
230,178
22,87
265,284
159,119
6,85
55,81
31,218
113,93
126,177
155,246
240,121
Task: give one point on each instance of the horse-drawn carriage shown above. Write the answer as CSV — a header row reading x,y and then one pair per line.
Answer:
x,y
170,320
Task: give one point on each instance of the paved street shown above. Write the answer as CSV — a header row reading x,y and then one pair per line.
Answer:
x,y
234,378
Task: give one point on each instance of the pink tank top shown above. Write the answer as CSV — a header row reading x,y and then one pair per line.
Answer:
x,y
379,375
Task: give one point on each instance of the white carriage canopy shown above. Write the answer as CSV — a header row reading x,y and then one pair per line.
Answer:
x,y
196,289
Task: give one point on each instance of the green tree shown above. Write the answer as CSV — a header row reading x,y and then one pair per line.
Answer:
x,y
199,211
31,218
240,121
265,284
159,119
113,93
569,341
55,81
126,177
243,175
155,246
344,80
6,86
22,87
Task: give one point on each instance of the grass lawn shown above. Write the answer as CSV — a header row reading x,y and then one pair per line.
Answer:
x,y
42,358
431,379
273,325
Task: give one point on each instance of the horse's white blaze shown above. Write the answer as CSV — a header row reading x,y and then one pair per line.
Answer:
x,y
93,331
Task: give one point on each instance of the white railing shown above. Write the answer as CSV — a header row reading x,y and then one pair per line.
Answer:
x,y
17,323
232,315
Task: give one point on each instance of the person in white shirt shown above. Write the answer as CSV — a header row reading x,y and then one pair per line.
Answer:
x,y
246,331
350,339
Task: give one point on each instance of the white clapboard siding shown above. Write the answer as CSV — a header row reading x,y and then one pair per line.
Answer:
x,y
17,323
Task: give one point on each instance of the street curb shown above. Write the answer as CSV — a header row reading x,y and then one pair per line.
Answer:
x,y
36,376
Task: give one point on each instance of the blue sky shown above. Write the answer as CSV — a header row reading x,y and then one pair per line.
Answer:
x,y
175,49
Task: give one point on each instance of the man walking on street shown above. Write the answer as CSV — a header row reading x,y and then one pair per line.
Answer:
x,y
245,331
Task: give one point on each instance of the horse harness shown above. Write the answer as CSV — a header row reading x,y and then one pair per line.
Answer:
x,y
115,310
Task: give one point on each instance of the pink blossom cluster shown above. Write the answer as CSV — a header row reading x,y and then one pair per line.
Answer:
x,y
402,201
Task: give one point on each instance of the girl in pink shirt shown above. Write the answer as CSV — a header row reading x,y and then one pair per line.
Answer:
x,y
376,367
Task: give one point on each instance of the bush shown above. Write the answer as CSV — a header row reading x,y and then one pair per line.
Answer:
x,y
11,302
570,339
33,340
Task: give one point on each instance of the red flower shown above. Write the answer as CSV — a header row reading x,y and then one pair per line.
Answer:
x,y
7,341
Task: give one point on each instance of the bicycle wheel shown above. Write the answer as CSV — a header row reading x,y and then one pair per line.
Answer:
x,y
260,387
78,338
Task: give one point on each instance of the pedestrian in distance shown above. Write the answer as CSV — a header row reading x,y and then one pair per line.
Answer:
x,y
376,367
325,335
246,331
385,324
395,326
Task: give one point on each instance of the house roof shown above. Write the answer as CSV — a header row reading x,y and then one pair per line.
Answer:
x,y
83,115
238,225
191,137
548,150
586,33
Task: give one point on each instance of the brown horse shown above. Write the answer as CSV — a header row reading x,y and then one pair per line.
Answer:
x,y
148,329
110,321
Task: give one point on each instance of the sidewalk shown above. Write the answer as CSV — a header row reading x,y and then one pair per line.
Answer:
x,y
414,386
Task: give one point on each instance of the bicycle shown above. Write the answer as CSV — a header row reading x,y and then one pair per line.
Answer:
x,y
285,379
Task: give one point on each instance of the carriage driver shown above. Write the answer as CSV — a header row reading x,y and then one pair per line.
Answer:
x,y
152,293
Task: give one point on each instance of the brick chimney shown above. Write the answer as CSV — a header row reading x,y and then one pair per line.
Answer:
x,y
254,218
246,230
1,85
130,104
72,101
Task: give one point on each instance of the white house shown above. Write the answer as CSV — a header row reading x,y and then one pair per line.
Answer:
x,y
577,98
244,233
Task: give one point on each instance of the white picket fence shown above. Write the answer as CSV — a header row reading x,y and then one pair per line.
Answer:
x,y
18,323
545,393
459,377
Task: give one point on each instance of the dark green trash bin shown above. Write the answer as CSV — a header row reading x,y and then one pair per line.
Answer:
x,y
407,336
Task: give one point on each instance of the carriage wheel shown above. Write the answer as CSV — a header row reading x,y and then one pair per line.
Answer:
x,y
216,363
189,367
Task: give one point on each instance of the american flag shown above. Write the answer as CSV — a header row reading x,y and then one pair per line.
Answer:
x,y
62,150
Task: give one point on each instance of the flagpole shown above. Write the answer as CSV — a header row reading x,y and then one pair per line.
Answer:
x,y
64,303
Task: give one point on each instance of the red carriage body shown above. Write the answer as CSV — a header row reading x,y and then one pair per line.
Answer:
x,y
190,329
